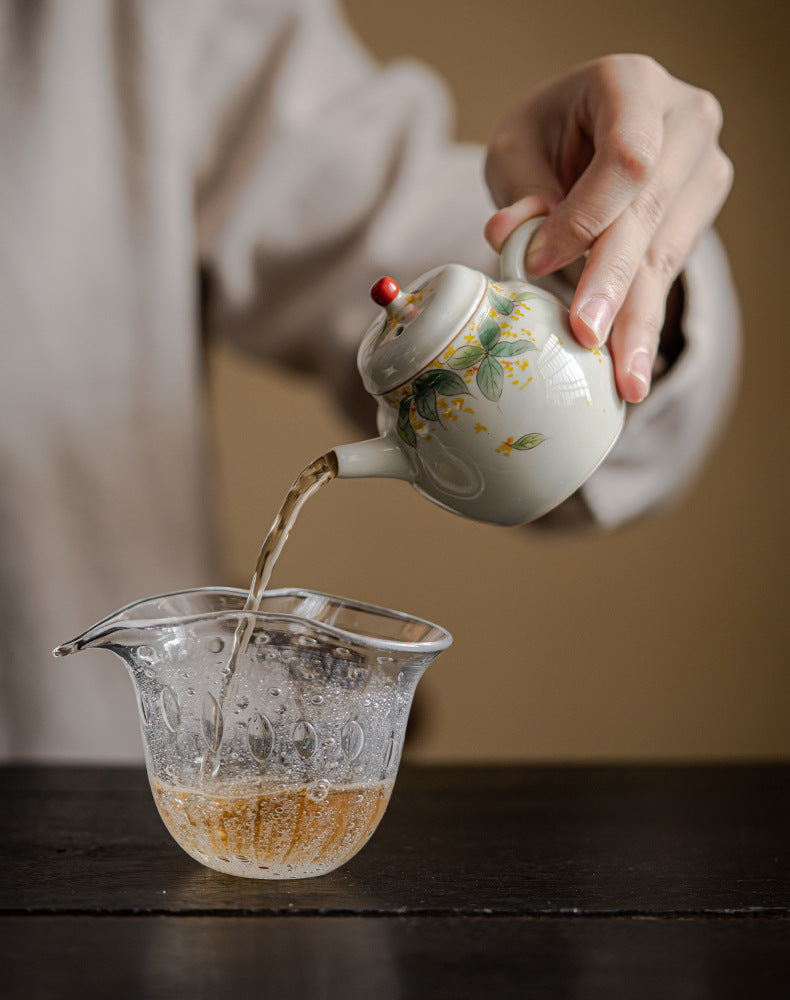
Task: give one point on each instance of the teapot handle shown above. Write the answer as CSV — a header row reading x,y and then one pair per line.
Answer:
x,y
511,261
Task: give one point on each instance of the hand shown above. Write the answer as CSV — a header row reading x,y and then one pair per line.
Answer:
x,y
625,161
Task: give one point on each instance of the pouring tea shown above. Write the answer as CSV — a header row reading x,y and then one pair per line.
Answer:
x,y
273,721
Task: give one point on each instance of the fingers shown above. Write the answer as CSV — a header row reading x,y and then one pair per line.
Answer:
x,y
622,111
636,332
635,158
619,252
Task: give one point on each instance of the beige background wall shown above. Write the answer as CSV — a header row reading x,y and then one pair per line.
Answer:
x,y
665,641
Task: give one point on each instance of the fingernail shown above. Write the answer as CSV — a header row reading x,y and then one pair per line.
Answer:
x,y
641,367
540,259
597,314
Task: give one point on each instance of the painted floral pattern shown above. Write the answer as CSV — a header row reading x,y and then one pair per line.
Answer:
x,y
492,354
486,357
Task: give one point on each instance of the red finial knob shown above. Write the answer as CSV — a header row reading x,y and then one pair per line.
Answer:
x,y
385,290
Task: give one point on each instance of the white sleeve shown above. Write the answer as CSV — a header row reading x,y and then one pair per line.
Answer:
x,y
319,170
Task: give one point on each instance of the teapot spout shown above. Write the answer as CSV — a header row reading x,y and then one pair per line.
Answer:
x,y
379,457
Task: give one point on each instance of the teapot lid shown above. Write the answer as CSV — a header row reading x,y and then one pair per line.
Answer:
x,y
418,323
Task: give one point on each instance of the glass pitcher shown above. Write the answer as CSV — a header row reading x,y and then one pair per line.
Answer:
x,y
272,738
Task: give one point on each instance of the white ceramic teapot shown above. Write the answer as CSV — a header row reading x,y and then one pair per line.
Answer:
x,y
487,403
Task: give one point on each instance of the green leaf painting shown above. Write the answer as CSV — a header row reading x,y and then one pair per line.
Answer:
x,y
489,334
426,403
509,348
502,305
467,357
405,430
424,392
529,441
490,378
441,381
491,348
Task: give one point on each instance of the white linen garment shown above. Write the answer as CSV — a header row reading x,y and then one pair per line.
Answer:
x,y
144,143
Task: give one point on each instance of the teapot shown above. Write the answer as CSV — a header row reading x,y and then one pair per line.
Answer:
x,y
487,404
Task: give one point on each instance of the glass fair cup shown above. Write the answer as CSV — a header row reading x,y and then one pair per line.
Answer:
x,y
272,738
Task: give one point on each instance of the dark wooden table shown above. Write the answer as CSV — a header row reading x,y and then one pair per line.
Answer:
x,y
665,882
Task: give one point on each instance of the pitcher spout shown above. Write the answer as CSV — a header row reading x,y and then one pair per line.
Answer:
x,y
102,636
379,457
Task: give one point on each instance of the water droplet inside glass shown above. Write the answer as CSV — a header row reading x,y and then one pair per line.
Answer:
x,y
274,692
317,699
216,645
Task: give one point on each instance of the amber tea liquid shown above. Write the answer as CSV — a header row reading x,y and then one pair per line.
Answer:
x,y
284,832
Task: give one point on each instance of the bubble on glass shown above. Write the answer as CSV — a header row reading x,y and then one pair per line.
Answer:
x,y
317,699
216,645
145,654
274,692
318,790
242,702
